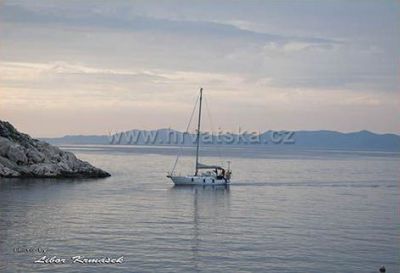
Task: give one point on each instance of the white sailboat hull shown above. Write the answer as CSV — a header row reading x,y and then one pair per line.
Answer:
x,y
198,180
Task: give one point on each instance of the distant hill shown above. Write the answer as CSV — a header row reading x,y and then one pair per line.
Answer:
x,y
362,140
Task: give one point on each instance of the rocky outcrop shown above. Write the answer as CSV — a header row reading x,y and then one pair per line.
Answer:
x,y
23,156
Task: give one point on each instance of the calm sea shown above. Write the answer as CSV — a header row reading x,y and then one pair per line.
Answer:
x,y
285,211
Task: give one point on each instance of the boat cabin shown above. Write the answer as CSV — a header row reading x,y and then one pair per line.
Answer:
x,y
218,171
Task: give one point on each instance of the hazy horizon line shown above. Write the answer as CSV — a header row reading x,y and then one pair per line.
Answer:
x,y
224,132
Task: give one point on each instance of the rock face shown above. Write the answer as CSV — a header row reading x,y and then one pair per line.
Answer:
x,y
23,156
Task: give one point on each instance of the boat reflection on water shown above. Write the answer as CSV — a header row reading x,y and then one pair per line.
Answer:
x,y
210,211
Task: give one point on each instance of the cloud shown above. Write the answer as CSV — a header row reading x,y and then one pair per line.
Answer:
x,y
134,44
23,71
294,46
92,18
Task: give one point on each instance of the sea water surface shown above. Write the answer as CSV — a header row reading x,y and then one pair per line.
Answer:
x,y
285,211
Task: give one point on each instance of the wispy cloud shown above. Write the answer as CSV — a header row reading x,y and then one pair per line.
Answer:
x,y
94,19
23,71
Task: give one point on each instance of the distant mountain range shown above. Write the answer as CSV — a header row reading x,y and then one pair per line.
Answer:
x,y
362,140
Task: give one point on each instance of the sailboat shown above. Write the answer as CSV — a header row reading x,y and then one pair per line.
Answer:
x,y
203,174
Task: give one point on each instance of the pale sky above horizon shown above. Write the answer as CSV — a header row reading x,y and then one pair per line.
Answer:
x,y
93,67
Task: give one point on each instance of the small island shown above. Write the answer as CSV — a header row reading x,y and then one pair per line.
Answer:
x,y
22,156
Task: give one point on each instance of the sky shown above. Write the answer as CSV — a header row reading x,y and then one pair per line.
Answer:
x,y
94,67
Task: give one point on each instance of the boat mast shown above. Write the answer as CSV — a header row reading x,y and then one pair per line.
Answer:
x,y
198,134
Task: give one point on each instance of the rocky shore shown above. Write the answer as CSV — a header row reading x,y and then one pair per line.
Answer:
x,y
22,156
